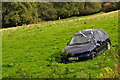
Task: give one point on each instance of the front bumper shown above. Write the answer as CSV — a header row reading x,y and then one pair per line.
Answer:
x,y
77,58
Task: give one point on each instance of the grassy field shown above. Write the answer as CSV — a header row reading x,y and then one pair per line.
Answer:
x,y
33,51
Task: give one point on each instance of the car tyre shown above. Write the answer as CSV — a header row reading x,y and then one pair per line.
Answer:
x,y
108,45
94,54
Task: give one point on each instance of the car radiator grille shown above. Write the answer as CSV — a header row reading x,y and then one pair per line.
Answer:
x,y
77,54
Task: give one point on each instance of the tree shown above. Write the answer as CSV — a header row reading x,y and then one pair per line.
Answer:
x,y
67,9
64,9
17,13
46,11
91,7
80,8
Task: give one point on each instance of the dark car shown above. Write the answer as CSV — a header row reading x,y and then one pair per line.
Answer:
x,y
85,45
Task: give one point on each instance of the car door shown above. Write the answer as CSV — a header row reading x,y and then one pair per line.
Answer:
x,y
98,45
103,40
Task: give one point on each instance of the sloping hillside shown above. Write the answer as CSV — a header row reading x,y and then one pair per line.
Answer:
x,y
33,51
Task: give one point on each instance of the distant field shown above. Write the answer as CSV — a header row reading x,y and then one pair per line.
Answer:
x,y
33,51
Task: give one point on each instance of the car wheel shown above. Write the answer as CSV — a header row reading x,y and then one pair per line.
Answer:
x,y
94,54
108,45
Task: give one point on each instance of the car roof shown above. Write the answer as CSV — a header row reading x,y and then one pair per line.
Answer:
x,y
85,32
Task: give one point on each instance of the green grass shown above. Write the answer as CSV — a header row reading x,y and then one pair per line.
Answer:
x,y
32,51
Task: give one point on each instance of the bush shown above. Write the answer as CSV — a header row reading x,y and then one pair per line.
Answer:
x,y
110,6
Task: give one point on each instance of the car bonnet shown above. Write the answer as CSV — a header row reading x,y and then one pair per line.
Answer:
x,y
80,48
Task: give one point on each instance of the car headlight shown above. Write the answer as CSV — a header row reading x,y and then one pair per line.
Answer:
x,y
64,53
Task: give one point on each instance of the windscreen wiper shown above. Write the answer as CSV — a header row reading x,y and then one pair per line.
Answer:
x,y
76,44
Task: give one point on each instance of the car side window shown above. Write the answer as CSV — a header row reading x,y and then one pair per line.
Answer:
x,y
96,36
101,34
105,34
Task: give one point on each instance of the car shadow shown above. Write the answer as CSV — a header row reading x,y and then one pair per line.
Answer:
x,y
54,57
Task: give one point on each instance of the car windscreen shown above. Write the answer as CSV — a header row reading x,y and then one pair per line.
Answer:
x,y
80,39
